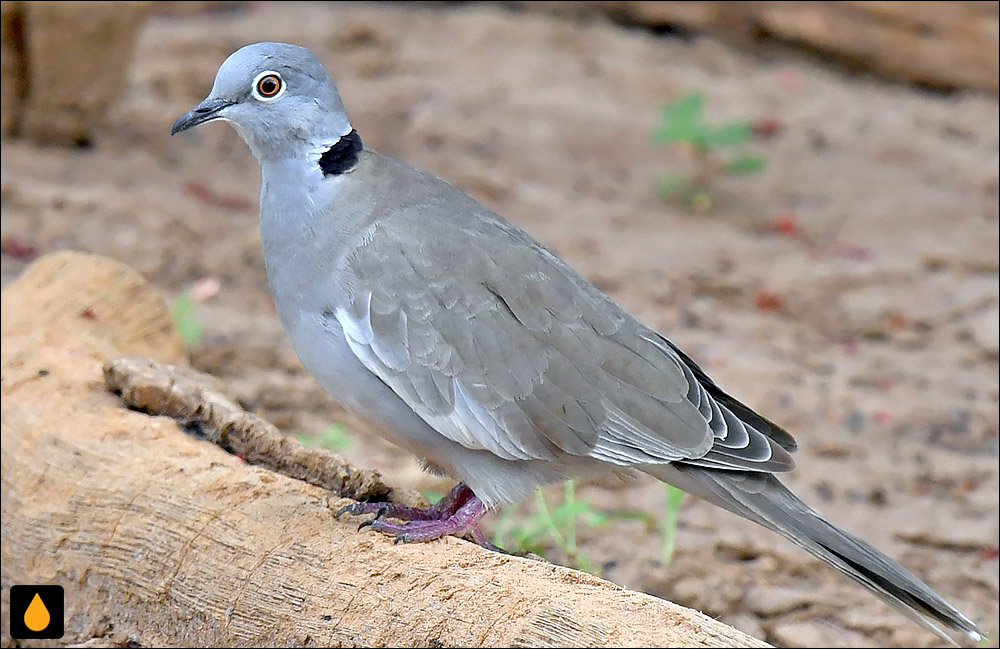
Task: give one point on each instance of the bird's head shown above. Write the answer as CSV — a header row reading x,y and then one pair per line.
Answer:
x,y
277,96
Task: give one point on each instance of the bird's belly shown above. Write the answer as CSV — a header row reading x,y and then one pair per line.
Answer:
x,y
319,342
307,315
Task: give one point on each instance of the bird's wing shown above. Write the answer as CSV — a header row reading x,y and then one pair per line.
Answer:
x,y
500,346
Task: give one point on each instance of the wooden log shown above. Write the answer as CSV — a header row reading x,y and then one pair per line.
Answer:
x,y
942,43
162,538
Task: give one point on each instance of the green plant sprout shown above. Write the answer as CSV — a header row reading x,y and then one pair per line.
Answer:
x,y
668,530
683,122
557,523
186,320
333,437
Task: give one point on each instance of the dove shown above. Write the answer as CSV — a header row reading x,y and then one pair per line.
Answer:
x,y
463,340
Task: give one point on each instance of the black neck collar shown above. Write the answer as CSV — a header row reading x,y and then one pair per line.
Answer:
x,y
342,156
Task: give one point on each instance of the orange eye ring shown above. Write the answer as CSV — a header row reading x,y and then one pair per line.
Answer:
x,y
268,85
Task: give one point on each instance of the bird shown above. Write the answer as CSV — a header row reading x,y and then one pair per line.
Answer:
x,y
463,340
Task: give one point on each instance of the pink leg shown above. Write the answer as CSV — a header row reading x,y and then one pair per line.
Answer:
x,y
457,514
443,508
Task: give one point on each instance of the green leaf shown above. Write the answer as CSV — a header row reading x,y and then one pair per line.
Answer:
x,y
681,120
432,495
185,319
678,132
594,517
732,134
565,513
568,510
336,437
687,109
745,164
675,497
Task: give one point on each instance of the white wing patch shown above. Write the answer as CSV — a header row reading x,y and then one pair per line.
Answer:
x,y
468,422
358,330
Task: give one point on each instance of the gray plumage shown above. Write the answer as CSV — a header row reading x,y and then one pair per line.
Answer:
x,y
467,342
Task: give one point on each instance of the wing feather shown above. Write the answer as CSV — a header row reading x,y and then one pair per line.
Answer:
x,y
500,346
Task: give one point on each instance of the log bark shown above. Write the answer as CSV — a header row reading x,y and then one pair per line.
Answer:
x,y
941,43
161,538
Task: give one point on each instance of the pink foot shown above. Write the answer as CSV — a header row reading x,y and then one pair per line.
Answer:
x,y
457,514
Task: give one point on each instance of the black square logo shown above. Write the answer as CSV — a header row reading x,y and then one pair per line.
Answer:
x,y
36,612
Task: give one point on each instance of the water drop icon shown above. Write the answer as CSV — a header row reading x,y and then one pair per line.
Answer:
x,y
36,617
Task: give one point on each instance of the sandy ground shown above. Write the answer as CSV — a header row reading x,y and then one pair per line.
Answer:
x,y
872,334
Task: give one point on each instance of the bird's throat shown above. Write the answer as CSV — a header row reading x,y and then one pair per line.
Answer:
x,y
342,156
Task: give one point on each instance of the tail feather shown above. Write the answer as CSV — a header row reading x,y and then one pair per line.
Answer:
x,y
761,498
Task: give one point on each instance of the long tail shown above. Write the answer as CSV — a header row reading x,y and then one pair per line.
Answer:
x,y
761,498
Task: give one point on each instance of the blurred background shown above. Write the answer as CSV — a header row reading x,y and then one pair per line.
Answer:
x,y
802,195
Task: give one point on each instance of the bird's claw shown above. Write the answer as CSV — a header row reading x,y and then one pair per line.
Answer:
x,y
382,511
355,509
456,514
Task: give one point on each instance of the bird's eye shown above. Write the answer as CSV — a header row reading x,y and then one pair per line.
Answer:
x,y
268,85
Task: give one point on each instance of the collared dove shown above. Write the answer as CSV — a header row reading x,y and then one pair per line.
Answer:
x,y
465,341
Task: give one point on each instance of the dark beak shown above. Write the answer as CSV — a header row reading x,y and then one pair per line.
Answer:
x,y
206,111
